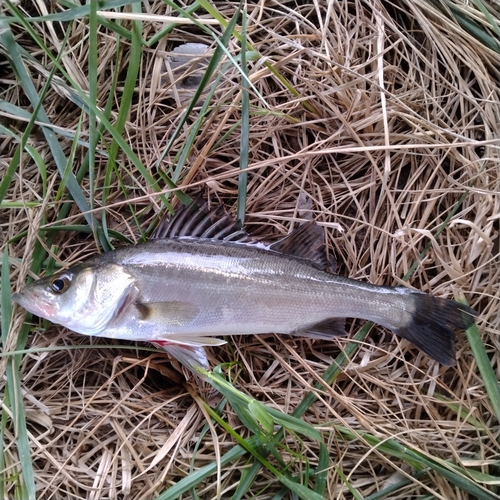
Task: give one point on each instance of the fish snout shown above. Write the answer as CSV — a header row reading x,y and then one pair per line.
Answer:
x,y
34,303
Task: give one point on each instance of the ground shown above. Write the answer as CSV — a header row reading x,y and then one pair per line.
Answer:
x,y
378,120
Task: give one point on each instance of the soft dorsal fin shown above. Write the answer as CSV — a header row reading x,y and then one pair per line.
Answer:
x,y
307,242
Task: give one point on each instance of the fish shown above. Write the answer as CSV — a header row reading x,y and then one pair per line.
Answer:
x,y
202,276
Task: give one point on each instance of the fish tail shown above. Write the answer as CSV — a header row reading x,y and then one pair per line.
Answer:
x,y
431,326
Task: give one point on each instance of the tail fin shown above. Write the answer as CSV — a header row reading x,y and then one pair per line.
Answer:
x,y
431,327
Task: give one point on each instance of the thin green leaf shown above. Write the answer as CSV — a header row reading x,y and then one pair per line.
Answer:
x,y
199,441
195,478
386,492
93,132
9,173
183,197
75,12
205,80
323,467
459,409
350,487
6,299
69,164
216,15
190,9
418,460
13,389
245,127
127,95
294,424
246,480
468,24
7,39
488,375
493,23
297,488
239,401
261,415
300,490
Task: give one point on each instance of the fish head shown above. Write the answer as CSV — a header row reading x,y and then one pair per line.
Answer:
x,y
83,298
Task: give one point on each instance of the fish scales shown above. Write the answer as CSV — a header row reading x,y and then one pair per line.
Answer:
x,y
242,290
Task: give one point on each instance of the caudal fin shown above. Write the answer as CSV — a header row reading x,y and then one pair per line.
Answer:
x,y
431,328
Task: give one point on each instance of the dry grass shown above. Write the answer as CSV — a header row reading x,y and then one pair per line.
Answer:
x,y
396,117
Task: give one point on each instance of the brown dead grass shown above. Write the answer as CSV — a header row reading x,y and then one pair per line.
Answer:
x,y
405,119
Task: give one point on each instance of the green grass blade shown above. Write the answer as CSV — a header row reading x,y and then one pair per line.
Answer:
x,y
246,480
488,375
299,489
13,389
464,412
205,80
355,494
85,103
418,460
21,113
494,24
294,424
260,419
93,132
322,473
69,163
245,127
133,67
216,15
6,304
8,174
468,24
195,478
75,12
199,441
8,41
386,492
190,9
295,487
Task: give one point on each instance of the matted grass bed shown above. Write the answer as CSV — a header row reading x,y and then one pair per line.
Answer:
x,y
379,120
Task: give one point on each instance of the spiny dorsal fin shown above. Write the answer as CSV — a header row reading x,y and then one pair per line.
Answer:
x,y
306,242
198,221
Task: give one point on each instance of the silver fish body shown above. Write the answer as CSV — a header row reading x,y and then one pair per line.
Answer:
x,y
179,292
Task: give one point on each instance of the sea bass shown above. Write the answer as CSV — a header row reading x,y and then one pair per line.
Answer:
x,y
202,276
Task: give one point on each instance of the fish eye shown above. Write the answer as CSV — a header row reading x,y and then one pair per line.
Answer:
x,y
60,284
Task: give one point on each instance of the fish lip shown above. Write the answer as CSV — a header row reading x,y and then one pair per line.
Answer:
x,y
34,304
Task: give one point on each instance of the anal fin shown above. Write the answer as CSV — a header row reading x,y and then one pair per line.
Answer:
x,y
325,330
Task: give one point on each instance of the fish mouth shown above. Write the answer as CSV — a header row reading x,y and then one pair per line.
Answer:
x,y
34,304
17,298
